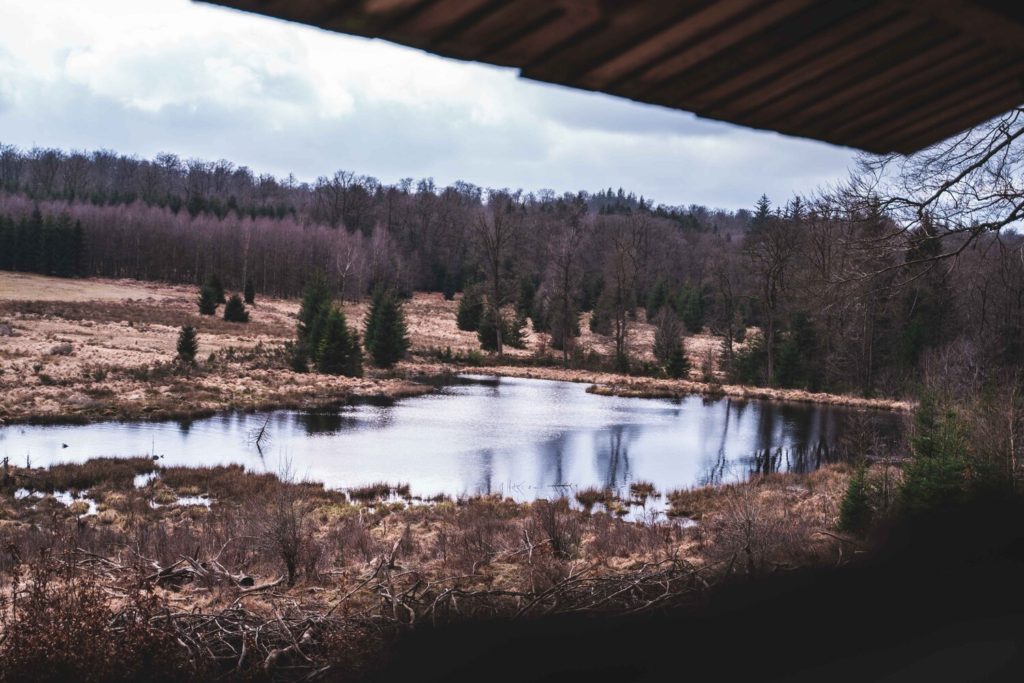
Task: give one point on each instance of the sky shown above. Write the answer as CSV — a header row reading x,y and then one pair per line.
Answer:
x,y
147,76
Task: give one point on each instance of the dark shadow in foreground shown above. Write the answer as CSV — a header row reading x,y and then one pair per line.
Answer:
x,y
943,600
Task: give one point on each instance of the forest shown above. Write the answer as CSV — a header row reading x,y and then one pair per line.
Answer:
x,y
840,296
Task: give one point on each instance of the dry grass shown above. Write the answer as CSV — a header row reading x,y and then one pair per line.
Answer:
x,y
103,349
391,563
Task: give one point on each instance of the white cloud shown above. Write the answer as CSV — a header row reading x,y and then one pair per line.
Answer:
x,y
142,76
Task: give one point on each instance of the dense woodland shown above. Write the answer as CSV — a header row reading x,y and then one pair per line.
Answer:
x,y
841,296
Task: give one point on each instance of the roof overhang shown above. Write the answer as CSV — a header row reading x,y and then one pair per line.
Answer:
x,y
879,75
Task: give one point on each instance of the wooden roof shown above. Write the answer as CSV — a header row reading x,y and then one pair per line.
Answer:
x,y
880,75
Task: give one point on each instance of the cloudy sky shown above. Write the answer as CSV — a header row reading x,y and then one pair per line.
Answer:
x,y
145,76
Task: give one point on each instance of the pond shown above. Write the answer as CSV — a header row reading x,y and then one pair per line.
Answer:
x,y
523,438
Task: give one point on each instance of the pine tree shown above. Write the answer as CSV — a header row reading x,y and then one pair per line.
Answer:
x,y
188,344
678,364
250,292
471,310
215,285
207,300
339,352
234,311
313,312
855,510
386,338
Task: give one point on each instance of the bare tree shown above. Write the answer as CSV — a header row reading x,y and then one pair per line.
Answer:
x,y
970,184
497,227
564,272
770,247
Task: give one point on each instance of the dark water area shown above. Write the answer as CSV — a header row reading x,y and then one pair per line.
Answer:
x,y
518,437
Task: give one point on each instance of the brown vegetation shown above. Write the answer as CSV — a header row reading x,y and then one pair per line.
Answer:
x,y
328,580
107,350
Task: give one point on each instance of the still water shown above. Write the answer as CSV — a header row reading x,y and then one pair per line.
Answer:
x,y
518,437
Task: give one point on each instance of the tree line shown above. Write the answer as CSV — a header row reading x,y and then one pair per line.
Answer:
x,y
824,293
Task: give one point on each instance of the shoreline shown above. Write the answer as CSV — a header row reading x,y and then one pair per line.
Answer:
x,y
324,393
627,386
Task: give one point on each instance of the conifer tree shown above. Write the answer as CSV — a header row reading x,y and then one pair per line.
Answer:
x,y
250,292
471,309
678,364
188,344
234,311
386,338
215,285
339,351
313,312
207,300
855,510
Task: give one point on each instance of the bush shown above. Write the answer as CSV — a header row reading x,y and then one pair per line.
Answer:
x,y
386,339
66,628
234,311
188,344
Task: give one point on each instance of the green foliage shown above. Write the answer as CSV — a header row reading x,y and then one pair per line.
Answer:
x,y
386,338
313,312
53,245
471,309
601,317
677,366
795,364
748,363
525,297
250,292
563,328
234,311
855,512
690,308
188,344
215,285
448,287
339,352
207,300
513,331
658,297
938,473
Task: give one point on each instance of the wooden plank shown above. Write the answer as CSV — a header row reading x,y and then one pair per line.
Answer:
x,y
955,104
867,91
680,32
840,56
868,68
920,98
429,21
903,95
986,111
830,69
618,30
787,45
511,34
761,20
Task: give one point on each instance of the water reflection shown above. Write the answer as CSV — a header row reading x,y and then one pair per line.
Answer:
x,y
520,437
